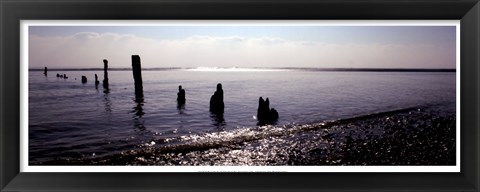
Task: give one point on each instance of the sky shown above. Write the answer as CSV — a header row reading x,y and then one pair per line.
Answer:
x,y
243,46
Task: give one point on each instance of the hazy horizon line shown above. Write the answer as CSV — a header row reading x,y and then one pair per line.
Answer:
x,y
259,68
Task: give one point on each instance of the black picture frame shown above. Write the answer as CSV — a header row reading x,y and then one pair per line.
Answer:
x,y
12,11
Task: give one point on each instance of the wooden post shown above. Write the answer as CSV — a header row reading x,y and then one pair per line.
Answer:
x,y
216,101
96,80
45,71
137,75
181,95
105,74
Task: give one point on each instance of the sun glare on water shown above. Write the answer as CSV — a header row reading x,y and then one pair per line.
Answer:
x,y
232,69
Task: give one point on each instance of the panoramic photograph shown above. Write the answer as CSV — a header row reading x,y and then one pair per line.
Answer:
x,y
242,95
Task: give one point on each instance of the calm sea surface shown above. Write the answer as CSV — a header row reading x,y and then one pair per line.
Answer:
x,y
68,119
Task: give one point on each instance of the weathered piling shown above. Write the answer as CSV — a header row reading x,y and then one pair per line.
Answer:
x,y
84,79
96,80
45,71
137,75
216,101
263,109
265,115
181,95
105,74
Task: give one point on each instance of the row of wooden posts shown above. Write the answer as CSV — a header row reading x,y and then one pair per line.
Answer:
x,y
265,115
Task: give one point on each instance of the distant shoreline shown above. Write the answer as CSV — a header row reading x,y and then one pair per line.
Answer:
x,y
281,68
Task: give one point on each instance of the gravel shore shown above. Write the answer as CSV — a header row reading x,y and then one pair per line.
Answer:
x,y
405,137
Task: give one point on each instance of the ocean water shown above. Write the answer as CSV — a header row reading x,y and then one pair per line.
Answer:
x,y
71,120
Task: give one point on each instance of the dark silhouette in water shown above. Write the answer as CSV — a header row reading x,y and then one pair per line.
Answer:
x,y
58,75
138,109
137,75
65,76
105,75
218,120
138,113
108,104
216,101
181,109
274,114
96,80
181,96
84,79
45,71
265,115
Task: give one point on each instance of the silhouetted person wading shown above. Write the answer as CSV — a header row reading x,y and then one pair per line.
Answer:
x,y
216,101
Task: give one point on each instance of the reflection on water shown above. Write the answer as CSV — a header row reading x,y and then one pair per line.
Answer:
x,y
84,128
107,102
138,108
181,108
218,120
139,124
138,112
106,90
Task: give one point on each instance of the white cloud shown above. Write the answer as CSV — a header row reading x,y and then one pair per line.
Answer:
x,y
88,49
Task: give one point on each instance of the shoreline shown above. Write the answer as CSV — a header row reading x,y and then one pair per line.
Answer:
x,y
262,68
409,136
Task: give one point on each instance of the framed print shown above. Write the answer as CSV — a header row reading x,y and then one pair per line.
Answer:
x,y
133,122
239,95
